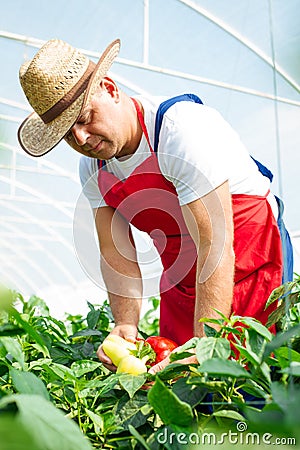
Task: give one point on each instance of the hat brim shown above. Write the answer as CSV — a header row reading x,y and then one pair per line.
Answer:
x,y
38,138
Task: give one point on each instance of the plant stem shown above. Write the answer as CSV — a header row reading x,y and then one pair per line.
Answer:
x,y
78,406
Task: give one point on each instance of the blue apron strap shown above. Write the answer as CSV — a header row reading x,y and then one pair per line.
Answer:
x,y
287,248
101,163
164,106
263,169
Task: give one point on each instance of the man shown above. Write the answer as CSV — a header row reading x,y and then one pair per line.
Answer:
x,y
171,167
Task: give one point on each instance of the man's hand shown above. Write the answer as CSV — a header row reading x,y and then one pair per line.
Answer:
x,y
126,331
161,365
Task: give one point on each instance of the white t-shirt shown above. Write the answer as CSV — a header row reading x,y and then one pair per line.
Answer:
x,y
198,151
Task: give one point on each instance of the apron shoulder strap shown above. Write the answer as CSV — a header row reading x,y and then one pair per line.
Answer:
x,y
164,106
263,169
101,163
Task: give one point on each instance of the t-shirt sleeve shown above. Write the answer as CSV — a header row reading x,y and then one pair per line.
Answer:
x,y
196,150
88,174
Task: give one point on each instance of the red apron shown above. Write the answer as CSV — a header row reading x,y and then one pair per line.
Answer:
x,y
149,201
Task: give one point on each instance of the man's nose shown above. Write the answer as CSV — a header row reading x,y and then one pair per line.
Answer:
x,y
79,133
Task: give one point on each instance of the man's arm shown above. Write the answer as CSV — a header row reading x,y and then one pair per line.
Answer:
x,y
120,272
210,223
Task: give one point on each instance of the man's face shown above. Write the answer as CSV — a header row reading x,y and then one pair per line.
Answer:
x,y
99,131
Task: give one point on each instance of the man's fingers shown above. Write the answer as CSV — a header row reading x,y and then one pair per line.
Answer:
x,y
103,357
159,366
130,337
110,367
106,361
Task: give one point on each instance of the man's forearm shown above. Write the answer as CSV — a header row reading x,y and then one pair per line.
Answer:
x,y
214,292
125,289
210,223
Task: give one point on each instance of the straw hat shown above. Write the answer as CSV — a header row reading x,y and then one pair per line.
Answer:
x,y
58,82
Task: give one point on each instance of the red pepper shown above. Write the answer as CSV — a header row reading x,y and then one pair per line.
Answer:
x,y
161,346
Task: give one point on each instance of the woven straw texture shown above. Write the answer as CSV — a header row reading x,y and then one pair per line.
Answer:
x,y
37,138
52,73
46,80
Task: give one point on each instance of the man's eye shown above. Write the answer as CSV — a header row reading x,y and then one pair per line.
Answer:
x,y
82,120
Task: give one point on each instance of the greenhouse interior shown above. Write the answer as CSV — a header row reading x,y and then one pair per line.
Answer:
x,y
79,373
242,60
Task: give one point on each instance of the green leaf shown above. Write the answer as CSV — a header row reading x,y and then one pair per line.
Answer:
x,y
229,414
265,371
38,363
28,383
168,406
232,330
10,330
138,437
12,440
103,386
132,383
281,339
287,354
45,424
210,331
277,293
14,349
293,369
97,420
36,306
4,369
129,412
228,368
282,309
60,371
29,329
88,350
287,397
82,367
248,354
86,332
178,356
93,318
109,420
226,319
208,320
173,370
191,343
211,385
3,352
7,297
59,328
40,349
257,326
253,388
210,347
254,342
188,392
281,395
276,315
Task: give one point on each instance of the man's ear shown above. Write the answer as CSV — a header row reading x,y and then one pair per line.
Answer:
x,y
110,86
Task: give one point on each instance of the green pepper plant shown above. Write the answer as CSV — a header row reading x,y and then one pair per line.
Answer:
x,y
58,394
